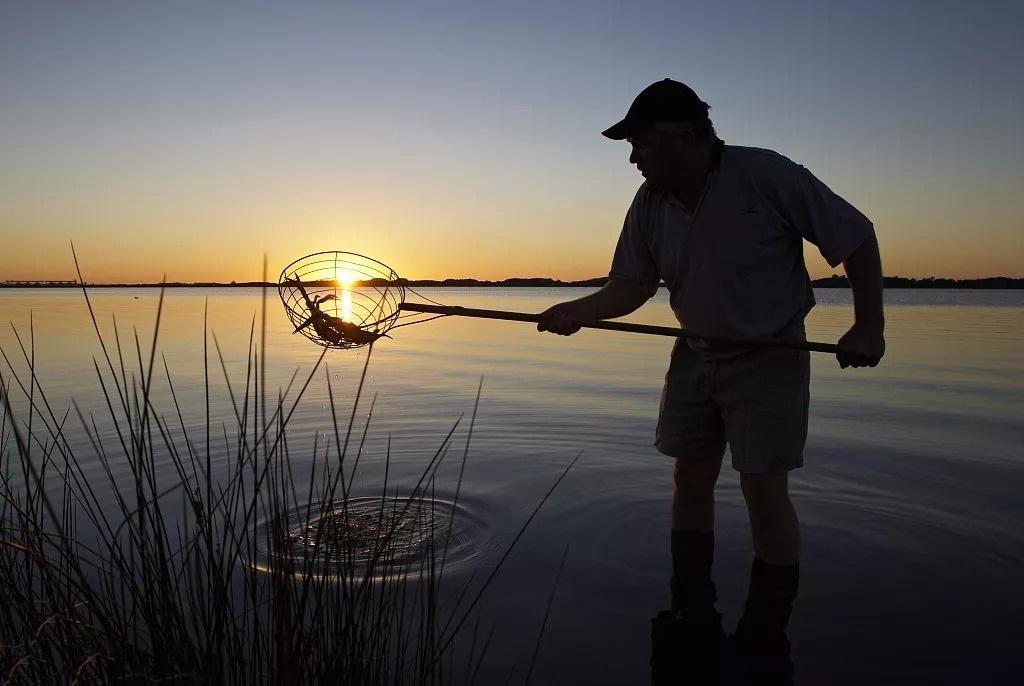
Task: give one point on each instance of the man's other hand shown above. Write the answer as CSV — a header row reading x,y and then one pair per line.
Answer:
x,y
565,319
862,346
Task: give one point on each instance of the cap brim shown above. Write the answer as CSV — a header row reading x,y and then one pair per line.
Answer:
x,y
621,131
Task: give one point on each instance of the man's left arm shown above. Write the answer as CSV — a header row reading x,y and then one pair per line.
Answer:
x,y
844,236
864,344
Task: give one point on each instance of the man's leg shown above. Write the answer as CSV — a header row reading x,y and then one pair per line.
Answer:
x,y
691,430
766,397
693,537
693,499
686,638
773,522
775,572
774,580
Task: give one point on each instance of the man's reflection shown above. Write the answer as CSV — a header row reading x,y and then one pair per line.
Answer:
x,y
689,645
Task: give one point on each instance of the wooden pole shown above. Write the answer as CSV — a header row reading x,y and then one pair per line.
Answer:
x,y
457,311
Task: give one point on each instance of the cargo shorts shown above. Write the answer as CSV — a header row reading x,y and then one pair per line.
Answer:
x,y
756,402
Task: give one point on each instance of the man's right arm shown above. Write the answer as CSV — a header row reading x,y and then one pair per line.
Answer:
x,y
616,298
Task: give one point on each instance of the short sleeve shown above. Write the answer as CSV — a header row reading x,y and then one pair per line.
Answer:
x,y
632,260
826,220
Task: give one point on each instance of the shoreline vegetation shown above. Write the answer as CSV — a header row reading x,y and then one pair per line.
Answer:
x,y
834,281
143,544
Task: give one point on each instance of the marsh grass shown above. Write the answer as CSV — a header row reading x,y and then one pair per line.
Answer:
x,y
167,570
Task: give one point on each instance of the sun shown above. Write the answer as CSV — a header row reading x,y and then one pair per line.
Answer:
x,y
345,277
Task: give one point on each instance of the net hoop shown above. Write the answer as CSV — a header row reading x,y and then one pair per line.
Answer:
x,y
340,300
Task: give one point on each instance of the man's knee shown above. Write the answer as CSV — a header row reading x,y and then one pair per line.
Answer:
x,y
765,492
697,478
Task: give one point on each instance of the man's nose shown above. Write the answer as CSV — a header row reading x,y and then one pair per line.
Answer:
x,y
633,157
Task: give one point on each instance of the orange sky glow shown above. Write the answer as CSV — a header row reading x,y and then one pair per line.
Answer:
x,y
170,140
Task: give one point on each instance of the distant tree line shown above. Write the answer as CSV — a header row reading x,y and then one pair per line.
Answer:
x,y
834,281
997,282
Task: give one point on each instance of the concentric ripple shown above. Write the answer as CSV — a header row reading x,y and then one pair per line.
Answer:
x,y
379,537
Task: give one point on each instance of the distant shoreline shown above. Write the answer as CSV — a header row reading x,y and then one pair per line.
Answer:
x,y
834,281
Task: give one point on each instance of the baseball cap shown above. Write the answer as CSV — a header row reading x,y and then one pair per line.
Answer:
x,y
664,100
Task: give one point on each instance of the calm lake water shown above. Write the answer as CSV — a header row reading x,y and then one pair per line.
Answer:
x,y
911,500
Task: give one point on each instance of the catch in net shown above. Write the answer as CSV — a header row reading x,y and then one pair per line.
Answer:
x,y
340,299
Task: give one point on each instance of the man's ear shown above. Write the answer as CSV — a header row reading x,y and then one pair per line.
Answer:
x,y
683,142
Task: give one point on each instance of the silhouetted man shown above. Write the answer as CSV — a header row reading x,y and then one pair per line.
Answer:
x,y
724,227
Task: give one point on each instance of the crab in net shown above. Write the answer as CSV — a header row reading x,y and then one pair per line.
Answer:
x,y
340,300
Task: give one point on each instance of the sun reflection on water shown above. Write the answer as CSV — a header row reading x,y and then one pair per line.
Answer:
x,y
346,304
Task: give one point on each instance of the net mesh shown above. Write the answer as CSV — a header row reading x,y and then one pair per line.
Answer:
x,y
340,299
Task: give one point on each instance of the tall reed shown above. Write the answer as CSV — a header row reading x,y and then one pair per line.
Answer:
x,y
166,569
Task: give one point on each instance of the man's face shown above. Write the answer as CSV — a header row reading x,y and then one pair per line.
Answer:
x,y
660,157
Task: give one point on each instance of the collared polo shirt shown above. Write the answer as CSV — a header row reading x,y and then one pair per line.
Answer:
x,y
735,265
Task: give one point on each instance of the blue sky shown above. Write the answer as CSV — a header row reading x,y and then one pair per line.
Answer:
x,y
463,139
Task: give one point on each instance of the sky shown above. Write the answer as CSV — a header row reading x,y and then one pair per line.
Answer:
x,y
189,140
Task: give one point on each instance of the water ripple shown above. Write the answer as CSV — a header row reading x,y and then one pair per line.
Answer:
x,y
373,536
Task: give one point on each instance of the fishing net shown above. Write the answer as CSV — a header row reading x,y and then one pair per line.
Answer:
x,y
340,299
344,300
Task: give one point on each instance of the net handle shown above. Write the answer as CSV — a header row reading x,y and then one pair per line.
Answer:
x,y
458,311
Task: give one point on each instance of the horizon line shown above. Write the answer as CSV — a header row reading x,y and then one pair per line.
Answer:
x,y
453,282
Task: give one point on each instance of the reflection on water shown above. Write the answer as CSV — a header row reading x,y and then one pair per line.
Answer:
x,y
910,500
346,305
373,535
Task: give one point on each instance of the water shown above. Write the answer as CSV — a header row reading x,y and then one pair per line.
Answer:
x,y
911,500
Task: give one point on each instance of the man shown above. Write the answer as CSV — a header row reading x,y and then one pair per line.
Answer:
x,y
724,227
